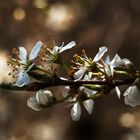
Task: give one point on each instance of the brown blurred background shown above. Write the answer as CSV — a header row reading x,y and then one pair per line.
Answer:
x,y
91,23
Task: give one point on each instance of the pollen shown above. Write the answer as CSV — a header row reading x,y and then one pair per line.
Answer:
x,y
14,51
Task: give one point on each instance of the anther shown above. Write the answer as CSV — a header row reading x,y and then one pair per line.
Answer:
x,y
14,51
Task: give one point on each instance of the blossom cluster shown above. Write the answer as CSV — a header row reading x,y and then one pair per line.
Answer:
x,y
87,78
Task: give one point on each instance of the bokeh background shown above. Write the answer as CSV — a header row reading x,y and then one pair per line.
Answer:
x,y
91,23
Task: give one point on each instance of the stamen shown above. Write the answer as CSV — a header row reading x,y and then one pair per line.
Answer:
x,y
14,51
75,56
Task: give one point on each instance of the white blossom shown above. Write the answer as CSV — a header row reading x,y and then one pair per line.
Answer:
x,y
132,96
57,50
88,104
76,111
82,70
53,54
109,68
25,64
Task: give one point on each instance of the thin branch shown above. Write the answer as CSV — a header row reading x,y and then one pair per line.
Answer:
x,y
58,82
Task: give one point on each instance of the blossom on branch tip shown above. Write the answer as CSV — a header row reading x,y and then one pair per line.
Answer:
x,y
132,94
52,54
24,63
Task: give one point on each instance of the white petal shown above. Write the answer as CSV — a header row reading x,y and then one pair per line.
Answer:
x,y
76,112
23,54
109,70
23,79
116,61
62,78
33,104
128,90
99,55
44,97
88,104
107,60
35,50
118,92
79,74
68,46
132,96
55,50
134,93
88,76
30,67
129,102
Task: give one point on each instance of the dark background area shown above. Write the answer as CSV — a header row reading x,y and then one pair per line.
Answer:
x,y
92,24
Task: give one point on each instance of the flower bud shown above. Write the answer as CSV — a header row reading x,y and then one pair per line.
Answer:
x,y
128,65
44,97
33,104
137,82
126,62
132,96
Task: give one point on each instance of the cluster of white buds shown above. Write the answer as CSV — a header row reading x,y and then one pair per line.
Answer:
x,y
87,79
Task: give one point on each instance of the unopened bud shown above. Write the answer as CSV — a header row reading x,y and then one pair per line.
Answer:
x,y
128,65
33,104
126,62
45,97
132,96
137,83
